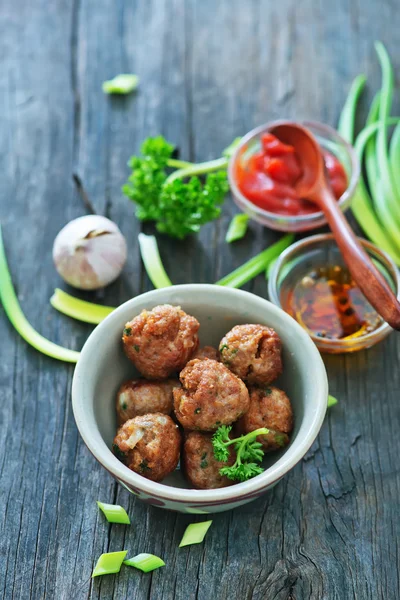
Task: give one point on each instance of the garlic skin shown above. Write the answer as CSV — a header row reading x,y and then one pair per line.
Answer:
x,y
89,252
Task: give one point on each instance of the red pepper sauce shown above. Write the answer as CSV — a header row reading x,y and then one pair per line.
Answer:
x,y
327,303
269,176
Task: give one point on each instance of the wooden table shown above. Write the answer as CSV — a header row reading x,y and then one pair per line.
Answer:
x,y
209,71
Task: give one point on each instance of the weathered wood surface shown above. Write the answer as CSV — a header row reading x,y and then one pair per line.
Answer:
x,y
209,71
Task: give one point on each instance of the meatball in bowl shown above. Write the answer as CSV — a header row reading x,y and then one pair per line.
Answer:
x,y
164,372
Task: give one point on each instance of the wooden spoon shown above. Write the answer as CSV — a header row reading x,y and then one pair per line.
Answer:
x,y
313,185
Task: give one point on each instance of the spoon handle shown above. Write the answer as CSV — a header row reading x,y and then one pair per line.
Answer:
x,y
370,281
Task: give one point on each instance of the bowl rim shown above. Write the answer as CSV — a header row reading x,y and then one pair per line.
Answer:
x,y
305,244
287,461
294,219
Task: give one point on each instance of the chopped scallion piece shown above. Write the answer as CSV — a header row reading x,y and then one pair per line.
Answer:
x,y
114,513
13,311
121,84
152,261
269,269
332,401
145,562
237,228
88,312
257,264
109,563
194,533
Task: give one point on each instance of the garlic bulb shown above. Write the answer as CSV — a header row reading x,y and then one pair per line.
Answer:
x,y
89,252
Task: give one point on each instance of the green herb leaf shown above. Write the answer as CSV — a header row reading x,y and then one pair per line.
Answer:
x,y
194,533
127,330
118,453
248,453
109,563
145,562
121,84
114,513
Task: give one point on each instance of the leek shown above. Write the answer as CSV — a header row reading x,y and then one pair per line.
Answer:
x,y
109,563
385,172
237,228
332,401
114,513
88,312
257,264
145,562
194,533
13,311
152,261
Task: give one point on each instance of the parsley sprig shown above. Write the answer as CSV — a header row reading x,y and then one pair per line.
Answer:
x,y
179,203
248,453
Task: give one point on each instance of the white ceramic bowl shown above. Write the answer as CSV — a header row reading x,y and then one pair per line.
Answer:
x,y
102,367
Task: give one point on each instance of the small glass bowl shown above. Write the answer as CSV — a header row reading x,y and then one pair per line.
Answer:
x,y
329,140
320,251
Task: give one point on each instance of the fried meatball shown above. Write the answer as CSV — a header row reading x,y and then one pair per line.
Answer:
x,y
253,353
269,407
199,464
140,397
149,445
159,342
206,352
210,396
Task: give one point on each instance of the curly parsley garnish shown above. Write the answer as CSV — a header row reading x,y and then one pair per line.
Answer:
x,y
248,453
179,203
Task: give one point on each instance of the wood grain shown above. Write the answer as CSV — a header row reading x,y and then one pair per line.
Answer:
x,y
209,72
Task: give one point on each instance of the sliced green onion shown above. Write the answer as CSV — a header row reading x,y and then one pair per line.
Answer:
x,y
13,311
109,563
121,84
385,172
371,164
114,513
152,261
175,163
145,562
88,312
394,157
194,533
347,117
332,401
237,228
257,264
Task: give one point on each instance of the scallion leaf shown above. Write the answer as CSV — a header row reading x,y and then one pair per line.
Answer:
x,y
152,261
194,533
347,116
109,563
145,562
394,157
385,172
88,312
121,84
332,401
114,513
13,311
257,264
237,228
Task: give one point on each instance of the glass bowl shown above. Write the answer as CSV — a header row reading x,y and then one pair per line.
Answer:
x,y
318,251
329,140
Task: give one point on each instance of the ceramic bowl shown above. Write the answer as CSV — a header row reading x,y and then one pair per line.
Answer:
x,y
102,367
